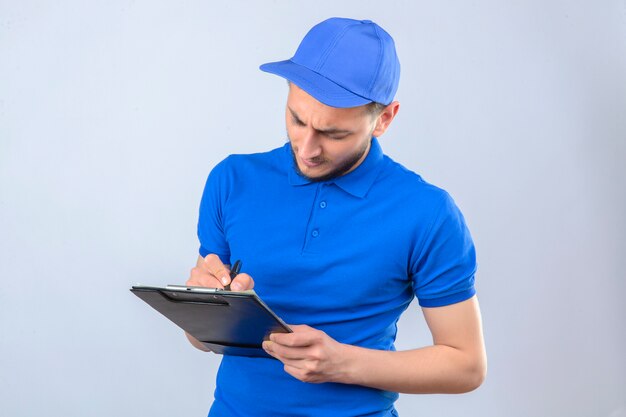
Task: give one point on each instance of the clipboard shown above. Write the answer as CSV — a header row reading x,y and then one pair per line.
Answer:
x,y
226,322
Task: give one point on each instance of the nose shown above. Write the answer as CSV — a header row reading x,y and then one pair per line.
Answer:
x,y
309,146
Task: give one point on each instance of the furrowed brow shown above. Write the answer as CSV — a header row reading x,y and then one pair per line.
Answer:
x,y
328,131
334,131
295,116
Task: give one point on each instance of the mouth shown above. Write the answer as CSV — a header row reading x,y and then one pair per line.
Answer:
x,y
311,163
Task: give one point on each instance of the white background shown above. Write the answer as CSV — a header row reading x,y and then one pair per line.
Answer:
x,y
113,113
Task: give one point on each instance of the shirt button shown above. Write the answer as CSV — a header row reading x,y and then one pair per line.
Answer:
x,y
323,204
315,233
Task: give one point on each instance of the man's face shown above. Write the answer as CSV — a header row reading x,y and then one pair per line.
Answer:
x,y
326,142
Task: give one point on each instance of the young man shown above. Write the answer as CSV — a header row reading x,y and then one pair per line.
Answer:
x,y
339,239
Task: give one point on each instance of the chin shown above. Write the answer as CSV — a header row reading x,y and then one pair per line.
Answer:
x,y
313,172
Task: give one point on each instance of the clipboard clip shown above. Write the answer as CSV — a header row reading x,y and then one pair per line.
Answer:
x,y
193,295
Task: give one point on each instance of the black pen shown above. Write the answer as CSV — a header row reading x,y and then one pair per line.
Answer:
x,y
233,273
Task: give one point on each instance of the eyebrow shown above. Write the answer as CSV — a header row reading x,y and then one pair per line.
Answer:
x,y
330,130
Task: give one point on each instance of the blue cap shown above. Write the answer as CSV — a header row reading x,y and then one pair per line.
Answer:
x,y
344,63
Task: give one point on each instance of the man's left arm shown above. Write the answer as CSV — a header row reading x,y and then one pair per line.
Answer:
x,y
455,363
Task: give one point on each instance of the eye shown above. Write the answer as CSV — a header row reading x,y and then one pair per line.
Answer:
x,y
297,122
336,137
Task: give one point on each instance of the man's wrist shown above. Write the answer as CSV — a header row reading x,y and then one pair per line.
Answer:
x,y
350,365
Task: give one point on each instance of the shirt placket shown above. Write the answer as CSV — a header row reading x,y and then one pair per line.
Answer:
x,y
316,229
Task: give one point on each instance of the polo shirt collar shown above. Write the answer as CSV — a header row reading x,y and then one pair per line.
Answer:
x,y
357,182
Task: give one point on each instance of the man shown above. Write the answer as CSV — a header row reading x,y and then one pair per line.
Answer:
x,y
338,239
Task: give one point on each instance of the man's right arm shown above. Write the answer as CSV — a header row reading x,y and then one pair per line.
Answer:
x,y
211,272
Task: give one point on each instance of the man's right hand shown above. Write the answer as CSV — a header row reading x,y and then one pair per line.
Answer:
x,y
211,272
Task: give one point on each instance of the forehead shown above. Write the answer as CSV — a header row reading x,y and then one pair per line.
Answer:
x,y
306,107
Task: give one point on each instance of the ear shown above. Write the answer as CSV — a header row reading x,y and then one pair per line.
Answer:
x,y
385,118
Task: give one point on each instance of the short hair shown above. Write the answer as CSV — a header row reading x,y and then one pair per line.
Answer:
x,y
374,109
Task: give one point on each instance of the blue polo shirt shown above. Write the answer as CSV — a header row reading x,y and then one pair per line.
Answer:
x,y
345,256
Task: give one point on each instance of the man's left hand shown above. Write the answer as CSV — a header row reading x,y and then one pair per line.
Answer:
x,y
308,354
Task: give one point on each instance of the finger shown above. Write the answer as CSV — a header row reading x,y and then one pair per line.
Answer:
x,y
199,277
302,336
242,282
216,267
304,375
269,348
301,328
294,371
207,283
273,350
285,354
207,280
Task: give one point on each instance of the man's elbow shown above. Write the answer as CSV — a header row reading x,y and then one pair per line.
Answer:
x,y
196,343
475,376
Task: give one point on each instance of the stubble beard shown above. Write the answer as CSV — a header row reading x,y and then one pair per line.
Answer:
x,y
346,166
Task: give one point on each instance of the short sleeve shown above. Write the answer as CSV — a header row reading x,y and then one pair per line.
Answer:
x,y
443,268
211,216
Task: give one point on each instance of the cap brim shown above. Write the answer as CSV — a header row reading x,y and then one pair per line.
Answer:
x,y
318,86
